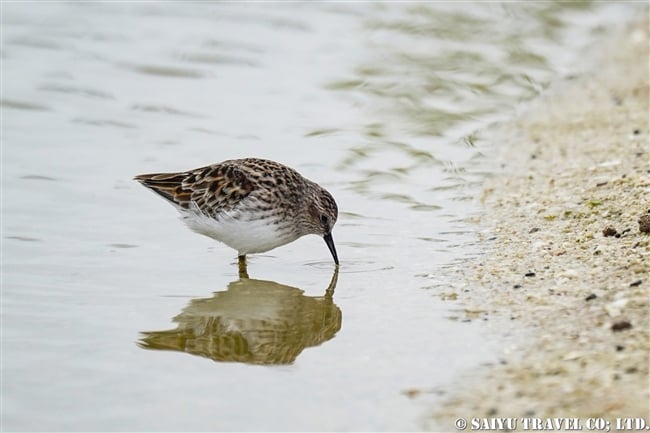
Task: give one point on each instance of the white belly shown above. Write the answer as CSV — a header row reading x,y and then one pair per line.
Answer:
x,y
245,236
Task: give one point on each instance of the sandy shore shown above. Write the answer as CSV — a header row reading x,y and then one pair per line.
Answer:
x,y
566,281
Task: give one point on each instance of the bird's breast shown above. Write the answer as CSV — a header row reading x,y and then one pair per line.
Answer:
x,y
246,233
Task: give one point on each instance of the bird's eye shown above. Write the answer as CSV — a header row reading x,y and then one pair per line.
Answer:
x,y
324,219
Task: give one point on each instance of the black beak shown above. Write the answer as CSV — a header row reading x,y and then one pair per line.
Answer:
x,y
330,244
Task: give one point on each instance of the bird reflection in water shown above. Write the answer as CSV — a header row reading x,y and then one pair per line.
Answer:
x,y
253,321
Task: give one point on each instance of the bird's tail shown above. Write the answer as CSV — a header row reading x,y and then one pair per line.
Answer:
x,y
169,186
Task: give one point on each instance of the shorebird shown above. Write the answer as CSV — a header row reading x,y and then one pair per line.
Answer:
x,y
252,205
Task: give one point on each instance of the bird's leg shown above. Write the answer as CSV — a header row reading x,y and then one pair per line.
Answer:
x,y
243,272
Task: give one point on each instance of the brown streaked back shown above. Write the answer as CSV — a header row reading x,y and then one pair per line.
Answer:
x,y
211,189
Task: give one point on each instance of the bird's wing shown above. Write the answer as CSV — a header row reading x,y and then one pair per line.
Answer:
x,y
209,189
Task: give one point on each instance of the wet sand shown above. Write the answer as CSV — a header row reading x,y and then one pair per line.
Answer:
x,y
565,284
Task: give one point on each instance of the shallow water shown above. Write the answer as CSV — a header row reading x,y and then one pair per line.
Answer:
x,y
116,317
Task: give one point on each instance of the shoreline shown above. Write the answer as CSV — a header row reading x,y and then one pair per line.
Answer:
x,y
565,280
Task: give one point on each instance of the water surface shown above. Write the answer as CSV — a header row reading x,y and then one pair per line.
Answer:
x,y
116,317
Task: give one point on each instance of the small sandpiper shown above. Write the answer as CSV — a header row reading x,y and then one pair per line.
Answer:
x,y
252,205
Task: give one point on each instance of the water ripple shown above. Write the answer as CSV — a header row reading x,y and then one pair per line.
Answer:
x,y
104,122
165,110
58,88
167,71
23,105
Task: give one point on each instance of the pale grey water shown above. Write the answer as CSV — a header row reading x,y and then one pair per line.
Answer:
x,y
383,104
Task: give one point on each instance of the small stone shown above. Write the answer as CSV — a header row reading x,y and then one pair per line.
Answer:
x,y
644,223
636,283
529,274
621,325
534,230
609,231
571,356
616,308
412,392
591,297
569,273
